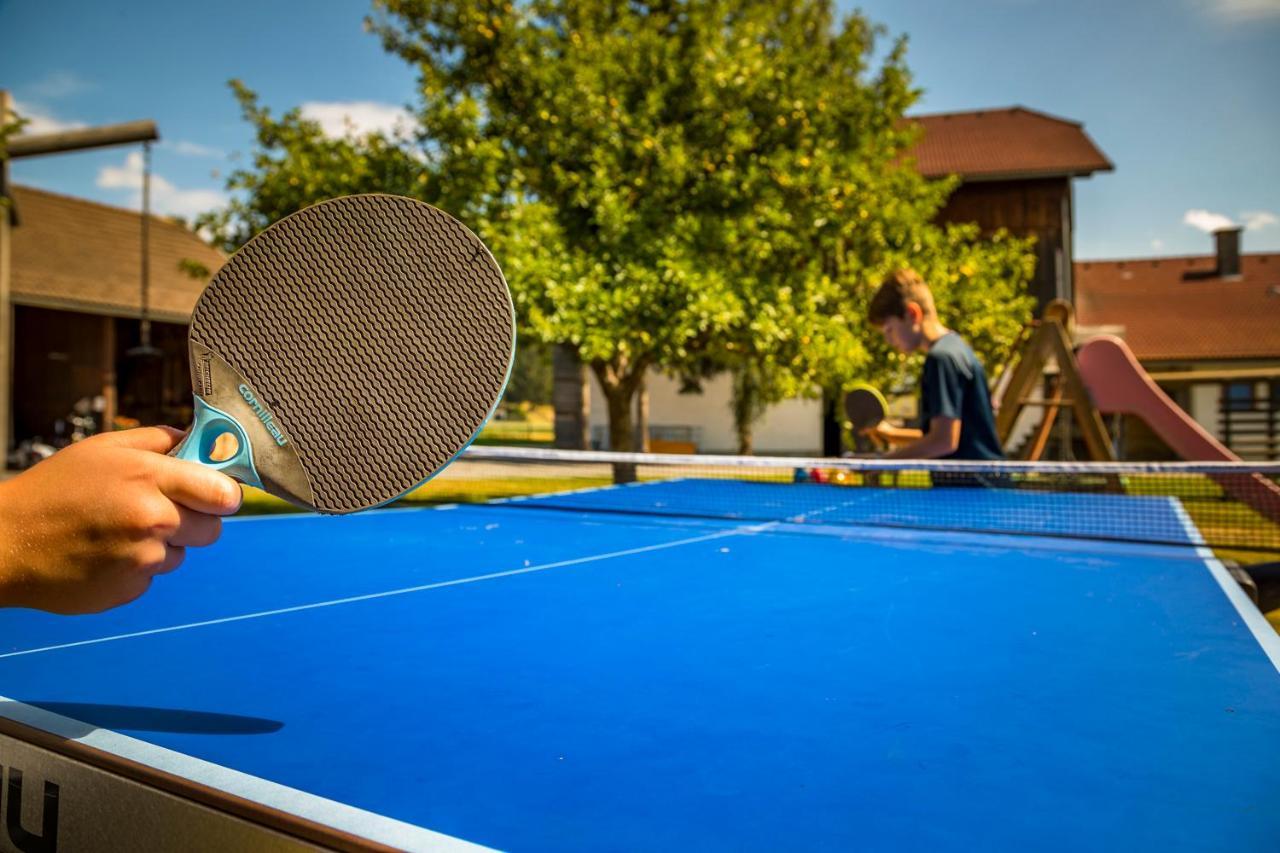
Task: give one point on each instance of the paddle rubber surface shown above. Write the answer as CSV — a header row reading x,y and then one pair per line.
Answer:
x,y
375,333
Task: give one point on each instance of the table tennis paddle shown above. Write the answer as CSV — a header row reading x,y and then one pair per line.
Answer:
x,y
865,407
351,351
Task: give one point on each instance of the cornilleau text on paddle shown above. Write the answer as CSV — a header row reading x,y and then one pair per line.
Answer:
x,y
263,415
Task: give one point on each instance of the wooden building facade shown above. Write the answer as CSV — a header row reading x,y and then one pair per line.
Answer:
x,y
76,291
1016,168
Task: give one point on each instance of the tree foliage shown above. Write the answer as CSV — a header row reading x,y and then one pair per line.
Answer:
x,y
682,185
10,126
294,165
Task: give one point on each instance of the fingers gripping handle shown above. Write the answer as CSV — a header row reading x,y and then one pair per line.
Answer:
x,y
198,445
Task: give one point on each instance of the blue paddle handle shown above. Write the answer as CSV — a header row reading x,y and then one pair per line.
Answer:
x,y
210,423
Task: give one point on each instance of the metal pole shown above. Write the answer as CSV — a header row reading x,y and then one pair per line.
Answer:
x,y
146,256
110,376
6,309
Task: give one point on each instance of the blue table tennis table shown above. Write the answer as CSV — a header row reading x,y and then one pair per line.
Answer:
x,y
510,677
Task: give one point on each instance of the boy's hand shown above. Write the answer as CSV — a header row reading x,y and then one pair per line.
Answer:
x,y
884,431
88,528
893,436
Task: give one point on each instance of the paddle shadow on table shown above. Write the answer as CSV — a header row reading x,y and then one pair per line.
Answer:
x,y
125,718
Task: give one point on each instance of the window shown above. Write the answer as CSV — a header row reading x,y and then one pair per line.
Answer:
x,y
1238,397
1251,419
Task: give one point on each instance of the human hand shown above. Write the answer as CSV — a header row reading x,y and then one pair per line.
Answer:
x,y
88,528
882,430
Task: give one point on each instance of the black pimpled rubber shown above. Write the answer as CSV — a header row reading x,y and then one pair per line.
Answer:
x,y
377,329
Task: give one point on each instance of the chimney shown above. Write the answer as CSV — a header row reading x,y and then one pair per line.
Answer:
x,y
1228,251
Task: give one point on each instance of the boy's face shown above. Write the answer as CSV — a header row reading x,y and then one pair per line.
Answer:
x,y
904,333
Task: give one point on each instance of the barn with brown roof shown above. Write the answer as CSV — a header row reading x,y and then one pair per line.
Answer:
x,y
1016,168
76,287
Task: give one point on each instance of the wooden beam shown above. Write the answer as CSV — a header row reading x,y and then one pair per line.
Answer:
x,y
1050,341
1088,419
1041,437
1212,374
1027,373
35,145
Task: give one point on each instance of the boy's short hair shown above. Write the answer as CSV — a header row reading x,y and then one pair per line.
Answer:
x,y
899,288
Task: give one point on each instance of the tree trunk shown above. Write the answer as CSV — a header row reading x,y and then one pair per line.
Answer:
x,y
570,398
746,405
642,416
621,429
619,392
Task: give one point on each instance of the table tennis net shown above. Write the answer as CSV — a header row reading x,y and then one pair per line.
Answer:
x,y
1229,507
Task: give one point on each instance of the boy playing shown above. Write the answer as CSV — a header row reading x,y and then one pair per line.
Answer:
x,y
955,409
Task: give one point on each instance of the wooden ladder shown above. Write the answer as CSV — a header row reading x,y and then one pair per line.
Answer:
x,y
1050,339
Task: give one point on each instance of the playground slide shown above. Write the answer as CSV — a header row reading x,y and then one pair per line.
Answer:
x,y
1119,385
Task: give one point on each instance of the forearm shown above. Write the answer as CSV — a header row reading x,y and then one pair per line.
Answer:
x,y
898,436
923,448
941,440
14,581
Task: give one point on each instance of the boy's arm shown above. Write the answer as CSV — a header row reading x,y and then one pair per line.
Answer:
x,y
895,436
942,439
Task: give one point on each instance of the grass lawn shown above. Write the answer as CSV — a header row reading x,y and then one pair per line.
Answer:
x,y
441,490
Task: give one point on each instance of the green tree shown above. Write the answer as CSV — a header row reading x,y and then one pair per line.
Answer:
x,y
833,204
531,374
822,347
690,185
702,182
295,165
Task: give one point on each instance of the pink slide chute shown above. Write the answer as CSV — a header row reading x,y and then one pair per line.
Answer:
x,y
1118,384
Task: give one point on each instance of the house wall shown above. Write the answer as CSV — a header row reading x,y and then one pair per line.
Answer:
x,y
1206,400
793,427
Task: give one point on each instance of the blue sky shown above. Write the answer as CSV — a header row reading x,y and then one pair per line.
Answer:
x,y
1180,94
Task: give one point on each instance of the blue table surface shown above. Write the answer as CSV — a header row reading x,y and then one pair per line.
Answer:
x,y
551,680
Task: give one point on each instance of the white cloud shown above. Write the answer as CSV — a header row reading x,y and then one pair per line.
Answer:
x,y
1255,219
166,199
193,149
1206,221
1157,244
1209,221
59,84
346,118
40,120
1242,11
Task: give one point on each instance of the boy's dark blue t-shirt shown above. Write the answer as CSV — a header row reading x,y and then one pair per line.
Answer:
x,y
954,385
